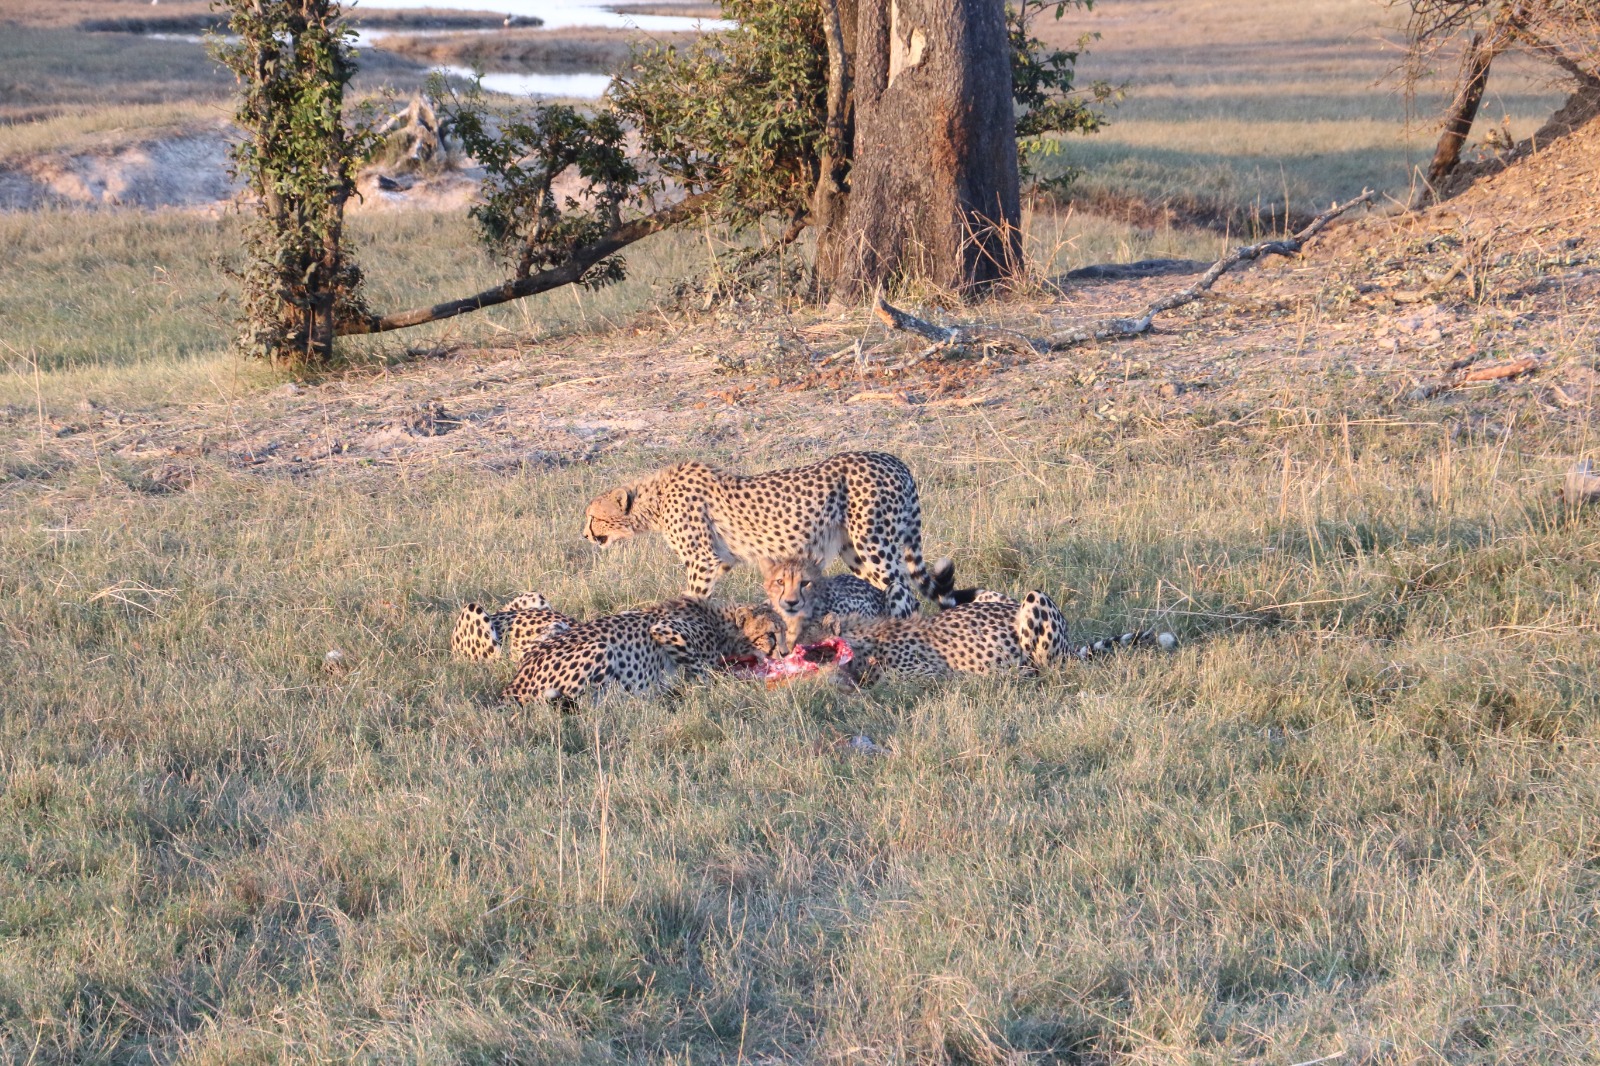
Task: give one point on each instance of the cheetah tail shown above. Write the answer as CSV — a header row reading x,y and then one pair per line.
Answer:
x,y
938,582
1107,645
473,638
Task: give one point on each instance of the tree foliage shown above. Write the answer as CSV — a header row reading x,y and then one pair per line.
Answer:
x,y
524,153
293,60
1044,85
741,112
744,112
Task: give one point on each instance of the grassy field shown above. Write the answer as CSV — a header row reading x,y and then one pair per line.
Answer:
x,y
1351,819
1354,814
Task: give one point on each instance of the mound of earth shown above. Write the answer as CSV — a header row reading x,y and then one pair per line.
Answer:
x,y
188,170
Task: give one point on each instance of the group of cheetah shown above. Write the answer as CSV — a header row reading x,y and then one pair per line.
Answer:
x,y
858,507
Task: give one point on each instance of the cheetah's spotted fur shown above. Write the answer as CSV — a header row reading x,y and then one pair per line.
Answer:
x,y
805,599
861,507
519,625
642,650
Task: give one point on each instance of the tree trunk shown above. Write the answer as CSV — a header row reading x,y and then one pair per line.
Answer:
x,y
933,180
829,202
1463,110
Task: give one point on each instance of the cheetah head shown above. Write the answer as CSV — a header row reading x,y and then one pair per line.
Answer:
x,y
763,627
613,517
791,588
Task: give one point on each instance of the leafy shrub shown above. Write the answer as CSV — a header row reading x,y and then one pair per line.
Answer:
x,y
740,112
299,160
524,151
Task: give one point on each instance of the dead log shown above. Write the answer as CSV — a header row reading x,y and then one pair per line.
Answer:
x,y
1509,368
572,270
1114,328
1495,371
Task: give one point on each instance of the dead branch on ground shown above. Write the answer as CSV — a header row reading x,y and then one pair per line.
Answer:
x,y
1510,368
1113,328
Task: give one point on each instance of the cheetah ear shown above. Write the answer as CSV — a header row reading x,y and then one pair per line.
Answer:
x,y
623,498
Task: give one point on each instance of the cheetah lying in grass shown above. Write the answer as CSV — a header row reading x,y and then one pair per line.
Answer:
x,y
639,651
989,634
860,507
643,650
514,628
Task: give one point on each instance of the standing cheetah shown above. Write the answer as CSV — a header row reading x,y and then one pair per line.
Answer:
x,y
516,627
860,507
642,650
980,637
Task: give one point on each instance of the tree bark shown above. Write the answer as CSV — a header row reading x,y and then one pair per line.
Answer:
x,y
933,180
829,201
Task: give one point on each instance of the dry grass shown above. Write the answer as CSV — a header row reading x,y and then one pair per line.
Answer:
x,y
1352,815
1233,116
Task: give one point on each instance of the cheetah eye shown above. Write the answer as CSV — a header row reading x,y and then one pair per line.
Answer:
x,y
807,583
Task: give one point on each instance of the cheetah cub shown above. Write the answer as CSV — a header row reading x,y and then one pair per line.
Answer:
x,y
804,598
860,507
991,633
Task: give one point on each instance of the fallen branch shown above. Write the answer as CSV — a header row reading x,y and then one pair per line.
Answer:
x,y
1486,372
971,333
515,289
1114,328
1120,328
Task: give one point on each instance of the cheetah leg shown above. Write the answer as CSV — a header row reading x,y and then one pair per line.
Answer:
x,y
703,575
885,570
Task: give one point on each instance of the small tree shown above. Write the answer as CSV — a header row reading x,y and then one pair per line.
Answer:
x,y
293,60
1563,32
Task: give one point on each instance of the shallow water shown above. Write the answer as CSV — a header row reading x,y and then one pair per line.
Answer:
x,y
576,86
557,14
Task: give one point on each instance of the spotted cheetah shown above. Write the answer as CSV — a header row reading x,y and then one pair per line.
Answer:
x,y
979,637
801,595
860,507
525,621
642,650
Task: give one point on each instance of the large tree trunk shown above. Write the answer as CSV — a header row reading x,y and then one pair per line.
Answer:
x,y
933,181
